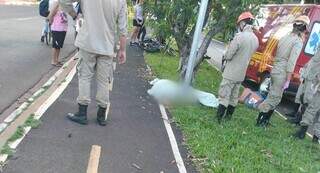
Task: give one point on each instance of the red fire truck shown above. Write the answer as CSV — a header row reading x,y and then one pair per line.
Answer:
x,y
275,21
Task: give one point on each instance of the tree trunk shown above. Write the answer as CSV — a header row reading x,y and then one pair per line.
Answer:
x,y
205,44
184,55
202,50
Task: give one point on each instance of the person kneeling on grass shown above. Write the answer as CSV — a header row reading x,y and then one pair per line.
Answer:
x,y
237,59
59,26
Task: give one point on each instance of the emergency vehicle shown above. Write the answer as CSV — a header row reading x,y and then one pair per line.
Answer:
x,y
275,21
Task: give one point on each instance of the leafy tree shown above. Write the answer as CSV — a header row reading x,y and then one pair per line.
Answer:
x,y
312,1
177,19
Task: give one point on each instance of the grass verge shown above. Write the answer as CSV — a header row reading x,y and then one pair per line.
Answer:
x,y
30,122
235,146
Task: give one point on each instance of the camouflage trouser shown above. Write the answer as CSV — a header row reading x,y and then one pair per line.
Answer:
x,y
275,94
311,115
229,92
304,92
91,65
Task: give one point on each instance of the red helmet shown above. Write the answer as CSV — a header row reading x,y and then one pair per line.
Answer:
x,y
245,15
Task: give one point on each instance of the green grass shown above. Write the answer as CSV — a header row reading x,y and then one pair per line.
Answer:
x,y
235,146
6,150
30,122
17,135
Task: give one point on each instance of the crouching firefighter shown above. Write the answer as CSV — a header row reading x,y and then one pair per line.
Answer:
x,y
312,88
236,60
288,51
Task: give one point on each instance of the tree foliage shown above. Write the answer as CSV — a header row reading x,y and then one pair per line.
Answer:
x,y
177,18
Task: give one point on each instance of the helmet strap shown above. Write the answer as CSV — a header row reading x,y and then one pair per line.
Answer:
x,y
242,25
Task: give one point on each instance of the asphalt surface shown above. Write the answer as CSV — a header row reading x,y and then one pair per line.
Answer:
x,y
135,133
24,59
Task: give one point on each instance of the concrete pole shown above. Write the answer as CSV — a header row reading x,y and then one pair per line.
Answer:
x,y
195,42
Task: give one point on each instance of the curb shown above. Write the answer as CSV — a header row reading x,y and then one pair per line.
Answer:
x,y
30,100
42,108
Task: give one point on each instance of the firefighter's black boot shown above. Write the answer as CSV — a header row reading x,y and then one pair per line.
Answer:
x,y
301,133
259,118
101,116
296,120
81,116
315,139
220,112
264,118
295,110
230,111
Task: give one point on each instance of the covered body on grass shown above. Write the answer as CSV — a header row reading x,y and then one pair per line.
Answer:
x,y
167,92
236,146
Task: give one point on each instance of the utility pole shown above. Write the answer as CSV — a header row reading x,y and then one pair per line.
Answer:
x,y
195,42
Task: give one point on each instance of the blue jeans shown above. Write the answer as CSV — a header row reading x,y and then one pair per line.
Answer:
x,y
46,27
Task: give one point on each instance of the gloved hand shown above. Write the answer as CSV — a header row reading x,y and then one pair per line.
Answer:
x,y
286,85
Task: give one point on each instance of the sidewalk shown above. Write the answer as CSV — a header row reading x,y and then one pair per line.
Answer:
x,y
134,140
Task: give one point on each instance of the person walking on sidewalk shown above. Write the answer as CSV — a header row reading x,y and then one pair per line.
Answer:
x,y
312,98
237,58
96,40
288,51
137,22
45,6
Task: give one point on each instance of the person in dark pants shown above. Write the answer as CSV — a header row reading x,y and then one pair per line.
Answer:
x,y
137,21
59,26
142,33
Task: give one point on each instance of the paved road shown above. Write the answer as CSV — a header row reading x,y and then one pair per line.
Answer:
x,y
134,135
24,60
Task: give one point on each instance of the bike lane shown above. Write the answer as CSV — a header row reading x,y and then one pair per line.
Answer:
x,y
134,140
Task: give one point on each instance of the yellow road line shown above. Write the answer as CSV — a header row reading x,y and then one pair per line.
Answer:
x,y
93,164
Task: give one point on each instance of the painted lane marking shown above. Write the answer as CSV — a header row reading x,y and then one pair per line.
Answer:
x,y
14,145
173,142
55,95
41,110
34,96
107,111
110,85
25,18
285,118
19,19
114,66
94,159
